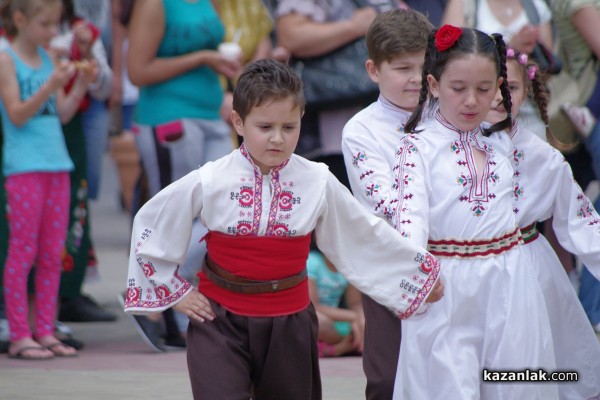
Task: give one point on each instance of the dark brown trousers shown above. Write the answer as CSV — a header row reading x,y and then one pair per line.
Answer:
x,y
260,358
381,349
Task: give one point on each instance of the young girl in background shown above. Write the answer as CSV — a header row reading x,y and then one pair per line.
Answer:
x,y
36,165
341,329
544,188
456,192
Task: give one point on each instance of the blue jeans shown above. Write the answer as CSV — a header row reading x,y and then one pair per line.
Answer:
x,y
593,146
95,128
589,290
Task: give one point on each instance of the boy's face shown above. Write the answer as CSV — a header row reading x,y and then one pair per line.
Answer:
x,y
270,131
399,79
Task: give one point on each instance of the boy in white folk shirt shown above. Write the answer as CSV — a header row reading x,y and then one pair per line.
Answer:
x,y
253,331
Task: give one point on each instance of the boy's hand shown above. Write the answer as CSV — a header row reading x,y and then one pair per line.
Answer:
x,y
196,306
436,293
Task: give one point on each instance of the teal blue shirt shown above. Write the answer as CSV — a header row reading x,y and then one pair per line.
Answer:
x,y
196,94
330,285
39,144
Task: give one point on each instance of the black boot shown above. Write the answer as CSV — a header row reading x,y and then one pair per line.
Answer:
x,y
83,309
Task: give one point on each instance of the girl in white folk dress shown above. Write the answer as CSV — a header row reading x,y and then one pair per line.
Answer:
x,y
544,188
456,196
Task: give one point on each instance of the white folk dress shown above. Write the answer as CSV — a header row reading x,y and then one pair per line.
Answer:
x,y
231,196
492,314
370,145
544,187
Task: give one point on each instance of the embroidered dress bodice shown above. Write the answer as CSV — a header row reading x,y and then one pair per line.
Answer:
x,y
464,201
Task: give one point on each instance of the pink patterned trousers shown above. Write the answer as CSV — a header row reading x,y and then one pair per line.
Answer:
x,y
38,216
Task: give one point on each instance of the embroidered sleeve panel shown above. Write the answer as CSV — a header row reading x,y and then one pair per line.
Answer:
x,y
430,269
153,284
372,177
379,262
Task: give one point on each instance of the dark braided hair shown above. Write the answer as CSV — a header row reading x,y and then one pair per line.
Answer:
x,y
471,41
540,94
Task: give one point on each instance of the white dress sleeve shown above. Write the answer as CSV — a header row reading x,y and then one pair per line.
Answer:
x,y
575,221
160,238
372,255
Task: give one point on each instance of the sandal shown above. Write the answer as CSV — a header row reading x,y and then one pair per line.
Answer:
x,y
326,349
581,117
59,348
22,354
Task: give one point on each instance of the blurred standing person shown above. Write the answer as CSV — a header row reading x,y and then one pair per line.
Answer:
x,y
174,61
121,105
4,334
95,116
36,165
79,41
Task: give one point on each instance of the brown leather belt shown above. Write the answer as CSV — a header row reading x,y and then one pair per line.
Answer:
x,y
226,280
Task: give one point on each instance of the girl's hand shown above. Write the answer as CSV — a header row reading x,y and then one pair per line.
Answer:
x,y
436,293
83,38
62,74
88,70
196,306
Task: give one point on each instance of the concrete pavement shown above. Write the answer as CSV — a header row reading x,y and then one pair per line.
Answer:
x,y
115,363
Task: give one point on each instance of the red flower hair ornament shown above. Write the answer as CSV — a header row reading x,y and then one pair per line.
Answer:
x,y
447,36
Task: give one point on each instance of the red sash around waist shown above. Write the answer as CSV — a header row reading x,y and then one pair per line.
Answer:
x,y
260,258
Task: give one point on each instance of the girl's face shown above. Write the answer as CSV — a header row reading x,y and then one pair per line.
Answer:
x,y
518,92
41,25
466,90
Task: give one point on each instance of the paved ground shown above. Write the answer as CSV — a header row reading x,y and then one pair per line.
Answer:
x,y
115,363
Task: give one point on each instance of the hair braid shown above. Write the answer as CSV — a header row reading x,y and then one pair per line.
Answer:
x,y
415,117
506,99
541,97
